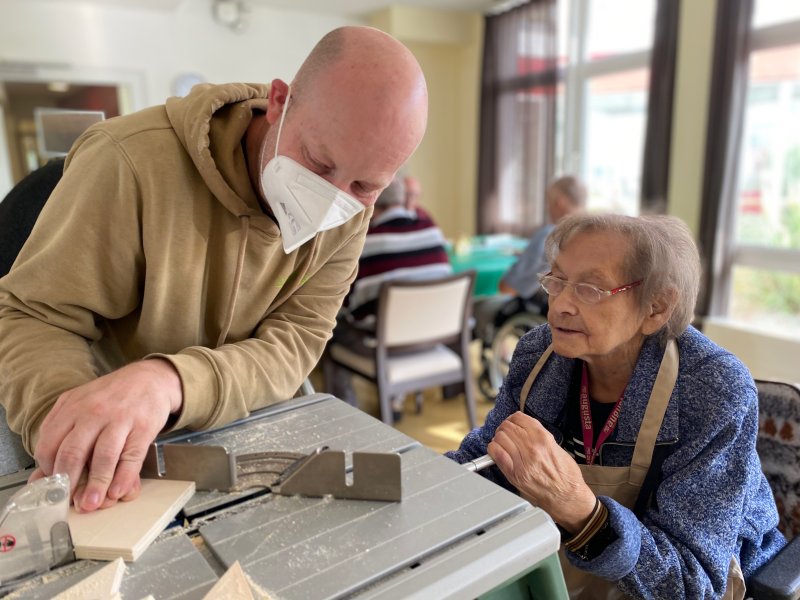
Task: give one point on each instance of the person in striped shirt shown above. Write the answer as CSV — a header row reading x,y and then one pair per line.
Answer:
x,y
402,242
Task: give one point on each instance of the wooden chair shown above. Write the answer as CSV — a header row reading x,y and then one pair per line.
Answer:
x,y
421,340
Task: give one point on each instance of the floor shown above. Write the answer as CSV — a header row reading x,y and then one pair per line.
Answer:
x,y
442,423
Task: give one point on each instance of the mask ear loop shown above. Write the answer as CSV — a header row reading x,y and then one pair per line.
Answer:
x,y
280,124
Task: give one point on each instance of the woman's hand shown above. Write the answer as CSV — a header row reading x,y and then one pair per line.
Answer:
x,y
542,471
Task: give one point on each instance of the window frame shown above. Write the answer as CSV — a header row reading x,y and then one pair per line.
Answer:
x,y
765,258
578,73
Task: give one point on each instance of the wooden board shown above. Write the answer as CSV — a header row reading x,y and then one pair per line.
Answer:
x,y
103,584
126,529
233,585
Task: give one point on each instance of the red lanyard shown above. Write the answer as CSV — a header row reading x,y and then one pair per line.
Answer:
x,y
586,420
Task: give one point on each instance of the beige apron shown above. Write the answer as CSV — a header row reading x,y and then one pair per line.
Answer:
x,y
623,483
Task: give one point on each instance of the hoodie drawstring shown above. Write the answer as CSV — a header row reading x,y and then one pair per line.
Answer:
x,y
237,276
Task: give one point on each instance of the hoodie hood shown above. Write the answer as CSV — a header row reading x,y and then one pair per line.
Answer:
x,y
211,122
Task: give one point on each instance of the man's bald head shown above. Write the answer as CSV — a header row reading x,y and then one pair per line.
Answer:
x,y
357,110
365,53
366,74
322,56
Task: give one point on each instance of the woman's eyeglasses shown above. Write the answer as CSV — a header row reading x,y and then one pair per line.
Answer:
x,y
585,292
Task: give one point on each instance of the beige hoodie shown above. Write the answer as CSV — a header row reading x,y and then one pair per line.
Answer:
x,y
154,244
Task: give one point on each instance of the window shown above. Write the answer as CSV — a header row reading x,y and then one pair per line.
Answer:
x,y
565,86
765,284
606,98
518,117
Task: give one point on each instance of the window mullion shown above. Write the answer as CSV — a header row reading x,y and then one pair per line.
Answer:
x,y
783,34
767,258
617,64
573,94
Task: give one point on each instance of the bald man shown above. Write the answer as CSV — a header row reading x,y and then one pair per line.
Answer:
x,y
189,266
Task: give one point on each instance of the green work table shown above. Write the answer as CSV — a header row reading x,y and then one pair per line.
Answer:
x,y
490,257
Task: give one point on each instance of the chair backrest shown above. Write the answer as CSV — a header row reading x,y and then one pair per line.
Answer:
x,y
18,213
13,457
306,388
21,207
778,447
415,313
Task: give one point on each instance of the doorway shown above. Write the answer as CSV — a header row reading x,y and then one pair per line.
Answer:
x,y
21,99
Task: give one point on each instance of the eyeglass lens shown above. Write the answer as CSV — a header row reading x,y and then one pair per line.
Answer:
x,y
584,291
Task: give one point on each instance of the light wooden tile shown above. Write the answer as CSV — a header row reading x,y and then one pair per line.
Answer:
x,y
126,529
233,585
103,584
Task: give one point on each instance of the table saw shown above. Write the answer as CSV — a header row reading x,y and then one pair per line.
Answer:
x,y
453,535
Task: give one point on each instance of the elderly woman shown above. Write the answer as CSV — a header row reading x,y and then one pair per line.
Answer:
x,y
630,428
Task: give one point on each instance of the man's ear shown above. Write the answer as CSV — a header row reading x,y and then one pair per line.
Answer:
x,y
278,94
659,311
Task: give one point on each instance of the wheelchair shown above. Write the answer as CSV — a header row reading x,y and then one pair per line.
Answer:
x,y
499,323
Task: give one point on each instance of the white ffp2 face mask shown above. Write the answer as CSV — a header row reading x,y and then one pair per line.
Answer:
x,y
303,202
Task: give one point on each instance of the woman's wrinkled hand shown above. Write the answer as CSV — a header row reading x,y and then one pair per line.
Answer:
x,y
542,471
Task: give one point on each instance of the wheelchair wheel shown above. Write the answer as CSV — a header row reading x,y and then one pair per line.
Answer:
x,y
503,345
485,385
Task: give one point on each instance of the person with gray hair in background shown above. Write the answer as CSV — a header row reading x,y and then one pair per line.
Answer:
x,y
402,243
629,427
564,196
520,297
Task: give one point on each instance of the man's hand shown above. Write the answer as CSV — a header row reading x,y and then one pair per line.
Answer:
x,y
542,471
105,427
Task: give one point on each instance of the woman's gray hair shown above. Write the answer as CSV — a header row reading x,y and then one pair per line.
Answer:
x,y
662,254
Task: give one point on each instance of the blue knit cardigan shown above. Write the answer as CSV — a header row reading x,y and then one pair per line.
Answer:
x,y
712,501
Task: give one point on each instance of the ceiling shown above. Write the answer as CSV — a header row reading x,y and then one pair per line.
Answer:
x,y
357,7
347,7
162,5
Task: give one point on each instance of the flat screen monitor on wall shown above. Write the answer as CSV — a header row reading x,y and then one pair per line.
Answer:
x,y
57,129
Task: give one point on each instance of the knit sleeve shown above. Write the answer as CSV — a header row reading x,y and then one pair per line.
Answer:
x,y
683,545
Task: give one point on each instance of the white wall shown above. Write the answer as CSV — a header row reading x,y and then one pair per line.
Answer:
x,y
768,356
158,45
690,109
449,47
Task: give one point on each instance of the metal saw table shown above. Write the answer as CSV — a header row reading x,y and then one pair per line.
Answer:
x,y
454,535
